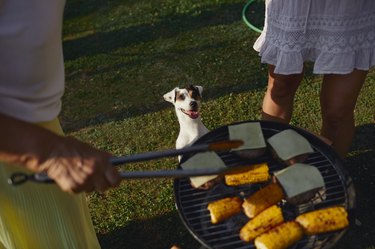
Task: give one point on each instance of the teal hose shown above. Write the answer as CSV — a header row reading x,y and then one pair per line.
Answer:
x,y
251,26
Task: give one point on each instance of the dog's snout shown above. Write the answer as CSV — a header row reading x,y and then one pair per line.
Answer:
x,y
193,104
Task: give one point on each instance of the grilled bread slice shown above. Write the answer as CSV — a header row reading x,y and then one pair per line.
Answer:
x,y
224,208
280,237
323,220
261,223
262,199
256,173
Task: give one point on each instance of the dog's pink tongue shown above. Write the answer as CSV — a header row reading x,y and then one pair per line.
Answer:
x,y
193,114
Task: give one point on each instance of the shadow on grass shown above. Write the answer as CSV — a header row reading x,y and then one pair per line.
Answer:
x,y
361,166
171,26
158,233
121,114
80,8
143,58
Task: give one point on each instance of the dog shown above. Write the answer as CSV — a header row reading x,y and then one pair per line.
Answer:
x,y
187,102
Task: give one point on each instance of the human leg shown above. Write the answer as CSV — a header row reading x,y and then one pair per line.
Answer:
x,y
279,98
338,98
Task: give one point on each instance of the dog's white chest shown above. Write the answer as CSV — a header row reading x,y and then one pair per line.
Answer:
x,y
188,135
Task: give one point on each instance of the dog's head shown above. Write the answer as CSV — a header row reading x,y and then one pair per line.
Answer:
x,y
186,100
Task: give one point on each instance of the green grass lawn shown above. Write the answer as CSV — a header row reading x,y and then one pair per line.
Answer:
x,y
122,56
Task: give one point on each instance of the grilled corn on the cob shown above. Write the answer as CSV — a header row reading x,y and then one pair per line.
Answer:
x,y
261,223
262,199
280,237
323,220
224,208
256,173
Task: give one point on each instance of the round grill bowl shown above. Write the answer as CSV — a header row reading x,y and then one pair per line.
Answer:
x,y
192,203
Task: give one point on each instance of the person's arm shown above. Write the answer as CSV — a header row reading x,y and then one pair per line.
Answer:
x,y
75,166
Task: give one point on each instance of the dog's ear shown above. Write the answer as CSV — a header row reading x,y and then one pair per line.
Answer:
x,y
195,88
200,89
171,96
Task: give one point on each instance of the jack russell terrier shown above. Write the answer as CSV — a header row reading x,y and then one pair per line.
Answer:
x,y
187,103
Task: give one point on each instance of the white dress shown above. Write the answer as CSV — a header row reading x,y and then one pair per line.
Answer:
x,y
337,35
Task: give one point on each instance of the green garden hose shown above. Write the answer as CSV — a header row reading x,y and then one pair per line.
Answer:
x,y
251,26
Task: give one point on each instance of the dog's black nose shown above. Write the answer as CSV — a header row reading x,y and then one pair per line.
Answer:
x,y
193,104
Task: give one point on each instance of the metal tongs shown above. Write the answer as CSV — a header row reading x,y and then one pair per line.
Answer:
x,y
226,145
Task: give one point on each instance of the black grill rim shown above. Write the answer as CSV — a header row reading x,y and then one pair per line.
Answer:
x,y
324,149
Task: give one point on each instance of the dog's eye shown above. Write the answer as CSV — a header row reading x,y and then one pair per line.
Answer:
x,y
181,97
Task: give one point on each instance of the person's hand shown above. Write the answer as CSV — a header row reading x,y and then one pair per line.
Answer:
x,y
77,167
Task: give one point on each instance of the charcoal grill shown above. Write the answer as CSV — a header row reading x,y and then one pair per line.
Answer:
x,y
192,203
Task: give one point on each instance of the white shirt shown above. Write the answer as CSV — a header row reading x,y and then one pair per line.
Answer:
x,y
31,59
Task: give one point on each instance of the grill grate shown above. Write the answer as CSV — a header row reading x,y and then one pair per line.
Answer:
x,y
192,203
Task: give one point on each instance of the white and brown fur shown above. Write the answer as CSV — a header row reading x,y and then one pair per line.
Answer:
x,y
187,102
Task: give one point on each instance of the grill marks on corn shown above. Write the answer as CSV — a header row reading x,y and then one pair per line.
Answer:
x,y
224,208
324,220
261,223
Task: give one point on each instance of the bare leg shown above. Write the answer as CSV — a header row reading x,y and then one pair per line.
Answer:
x,y
279,98
338,98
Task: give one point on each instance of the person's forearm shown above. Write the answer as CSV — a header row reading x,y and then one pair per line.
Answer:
x,y
24,143
74,165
